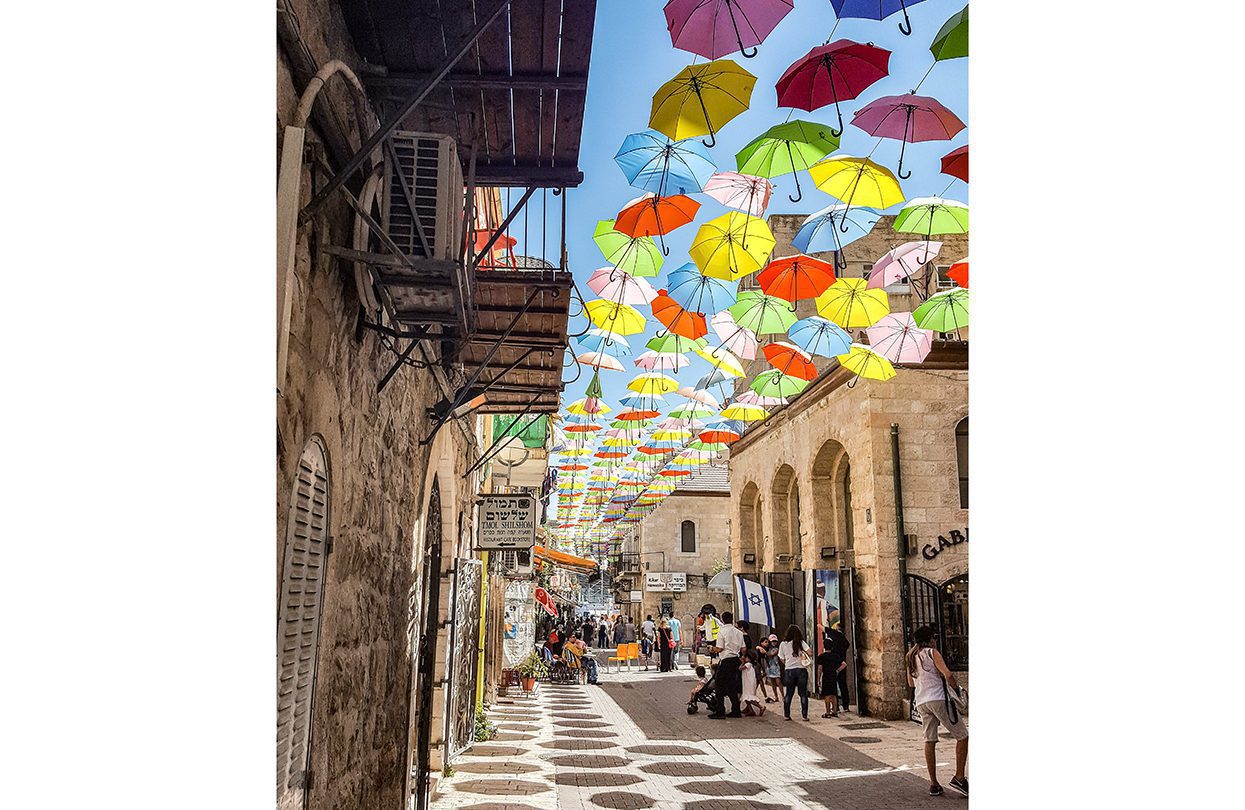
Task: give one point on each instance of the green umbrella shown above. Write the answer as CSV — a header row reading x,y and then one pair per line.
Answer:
x,y
671,342
946,311
774,383
786,149
952,39
932,215
638,257
692,410
763,314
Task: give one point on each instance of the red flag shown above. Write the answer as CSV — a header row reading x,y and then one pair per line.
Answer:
x,y
546,601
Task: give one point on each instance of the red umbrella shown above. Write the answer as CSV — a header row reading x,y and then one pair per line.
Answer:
x,y
832,73
958,272
714,28
678,320
790,360
794,277
955,163
908,119
651,215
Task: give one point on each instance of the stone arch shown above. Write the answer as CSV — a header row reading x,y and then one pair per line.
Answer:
x,y
785,492
749,527
832,496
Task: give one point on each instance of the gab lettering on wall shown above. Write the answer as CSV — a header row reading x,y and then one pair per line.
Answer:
x,y
953,538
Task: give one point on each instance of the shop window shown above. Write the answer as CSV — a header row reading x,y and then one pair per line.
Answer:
x,y
688,530
961,459
955,622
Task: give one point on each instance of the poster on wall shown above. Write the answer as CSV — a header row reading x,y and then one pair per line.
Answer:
x,y
823,606
518,627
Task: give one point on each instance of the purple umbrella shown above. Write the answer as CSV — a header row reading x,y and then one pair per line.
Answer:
x,y
715,28
905,260
908,119
897,338
875,10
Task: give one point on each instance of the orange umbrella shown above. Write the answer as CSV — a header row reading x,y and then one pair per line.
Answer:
x,y
651,215
790,360
959,272
679,321
795,277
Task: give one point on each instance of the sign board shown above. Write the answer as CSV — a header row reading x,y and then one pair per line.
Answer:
x,y
636,596
506,522
666,581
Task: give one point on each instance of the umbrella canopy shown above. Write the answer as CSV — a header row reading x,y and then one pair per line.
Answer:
x,y
908,119
732,246
699,395
620,319
897,338
715,28
902,262
743,192
867,363
662,361
599,340
734,337
677,319
671,342
790,360
817,335
796,277
834,228
691,410
741,412
724,432
932,215
763,314
828,74
946,311
850,303
955,163
786,149
722,359
753,398
774,383
958,272
586,406
599,360
653,162
857,181
613,285
875,10
951,41
701,99
697,292
651,215
636,256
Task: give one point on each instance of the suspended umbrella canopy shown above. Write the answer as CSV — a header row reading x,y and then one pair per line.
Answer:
x,y
763,314
699,395
955,163
708,447
857,181
834,228
790,360
587,406
692,410
715,28
647,401
865,362
958,272
697,292
932,215
743,192
902,262
851,304
653,383
875,10
732,246
662,361
651,215
787,149
796,277
586,427
671,342
735,338
951,41
723,360
724,432
774,383
740,412
598,340
674,473
653,162
701,99
946,311
897,338
753,398
599,360
678,320
908,119
611,316
817,335
829,74
633,415
670,434
638,256
622,288
715,377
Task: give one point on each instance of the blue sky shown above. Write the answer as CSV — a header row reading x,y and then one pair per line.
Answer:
x,y
632,57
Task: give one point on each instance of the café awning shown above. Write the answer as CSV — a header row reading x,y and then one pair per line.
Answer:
x,y
564,560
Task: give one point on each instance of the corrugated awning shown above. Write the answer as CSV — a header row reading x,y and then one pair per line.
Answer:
x,y
561,558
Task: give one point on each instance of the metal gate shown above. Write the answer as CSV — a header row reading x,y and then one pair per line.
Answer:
x,y
945,608
924,608
848,616
787,590
431,605
460,716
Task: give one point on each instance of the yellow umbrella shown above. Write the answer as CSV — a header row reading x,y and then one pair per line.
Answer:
x,y
857,181
744,413
867,363
672,435
653,384
701,99
732,246
721,358
850,303
619,319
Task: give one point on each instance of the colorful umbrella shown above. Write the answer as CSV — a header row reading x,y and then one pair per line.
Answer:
x,y
670,342
634,256
715,28
662,361
875,10
753,398
735,338
722,359
724,432
701,99
951,41
743,192
790,360
612,285
857,181
955,163
653,162
599,340
691,410
763,314
651,215
774,383
699,395
897,338
620,319
946,311
834,228
697,292
787,149
828,74
677,319
732,245
908,119
958,272
599,360
816,335
850,303
796,277
740,412
866,363
932,215
906,260
587,406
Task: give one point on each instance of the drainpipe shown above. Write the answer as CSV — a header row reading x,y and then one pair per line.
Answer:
x,y
900,540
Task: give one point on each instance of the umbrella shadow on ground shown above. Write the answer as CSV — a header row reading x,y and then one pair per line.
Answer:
x,y
622,800
591,779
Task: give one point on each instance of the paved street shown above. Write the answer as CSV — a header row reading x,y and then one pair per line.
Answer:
x,y
631,744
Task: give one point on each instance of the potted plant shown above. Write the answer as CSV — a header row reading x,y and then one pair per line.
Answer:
x,y
530,669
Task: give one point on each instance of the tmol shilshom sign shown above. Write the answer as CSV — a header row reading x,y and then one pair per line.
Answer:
x,y
666,581
506,522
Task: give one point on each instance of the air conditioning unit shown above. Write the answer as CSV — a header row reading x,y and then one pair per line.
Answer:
x,y
426,172
515,562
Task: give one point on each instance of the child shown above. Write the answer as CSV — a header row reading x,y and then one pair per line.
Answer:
x,y
748,671
701,680
831,664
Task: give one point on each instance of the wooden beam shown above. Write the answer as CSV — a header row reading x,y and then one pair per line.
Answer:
x,y
502,175
482,81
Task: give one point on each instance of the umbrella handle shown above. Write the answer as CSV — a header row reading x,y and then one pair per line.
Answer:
x,y
903,143
749,55
906,21
711,142
834,91
839,262
799,195
843,225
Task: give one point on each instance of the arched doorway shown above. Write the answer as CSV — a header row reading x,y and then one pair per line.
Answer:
x,y
832,499
749,523
786,509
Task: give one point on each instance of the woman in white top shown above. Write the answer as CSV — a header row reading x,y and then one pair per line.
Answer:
x,y
795,656
929,676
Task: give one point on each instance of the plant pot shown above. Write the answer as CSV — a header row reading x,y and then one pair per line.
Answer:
x,y
529,684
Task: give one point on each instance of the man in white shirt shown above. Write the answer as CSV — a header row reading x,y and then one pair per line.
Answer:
x,y
729,643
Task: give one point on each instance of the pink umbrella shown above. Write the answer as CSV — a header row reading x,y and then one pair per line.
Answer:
x,y
908,119
736,339
901,262
622,288
743,192
714,28
662,361
753,398
828,74
599,360
897,338
699,395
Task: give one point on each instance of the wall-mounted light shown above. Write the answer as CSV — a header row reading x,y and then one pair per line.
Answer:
x,y
827,552
750,559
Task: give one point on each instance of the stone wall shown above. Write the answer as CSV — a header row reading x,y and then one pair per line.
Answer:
x,y
660,533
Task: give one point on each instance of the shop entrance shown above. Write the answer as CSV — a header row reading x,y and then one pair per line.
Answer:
x,y
945,608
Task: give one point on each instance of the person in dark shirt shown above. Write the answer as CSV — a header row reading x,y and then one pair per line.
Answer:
x,y
835,640
831,663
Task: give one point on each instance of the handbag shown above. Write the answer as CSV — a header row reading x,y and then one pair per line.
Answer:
x,y
956,701
806,660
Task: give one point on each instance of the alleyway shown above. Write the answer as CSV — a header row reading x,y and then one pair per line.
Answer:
x,y
631,744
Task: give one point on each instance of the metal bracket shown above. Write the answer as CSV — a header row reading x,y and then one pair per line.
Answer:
x,y
495,447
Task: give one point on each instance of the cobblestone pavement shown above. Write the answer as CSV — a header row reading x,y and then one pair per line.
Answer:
x,y
629,744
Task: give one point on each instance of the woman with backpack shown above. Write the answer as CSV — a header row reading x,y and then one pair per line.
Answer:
x,y
795,656
938,705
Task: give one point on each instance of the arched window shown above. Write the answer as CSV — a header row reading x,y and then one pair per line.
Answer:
x,y
961,459
688,537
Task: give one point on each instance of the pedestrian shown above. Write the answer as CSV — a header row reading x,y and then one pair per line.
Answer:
x,y
618,632
831,663
648,635
728,646
770,669
589,630
929,676
603,632
628,634
554,644
836,640
748,679
676,632
795,657
665,647
702,678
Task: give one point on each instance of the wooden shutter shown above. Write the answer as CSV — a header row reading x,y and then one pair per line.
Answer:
x,y
298,622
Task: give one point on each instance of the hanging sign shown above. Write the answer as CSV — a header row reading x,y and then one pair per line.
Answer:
x,y
506,522
666,581
546,601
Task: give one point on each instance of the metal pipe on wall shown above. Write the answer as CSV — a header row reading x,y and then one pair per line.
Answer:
x,y
900,539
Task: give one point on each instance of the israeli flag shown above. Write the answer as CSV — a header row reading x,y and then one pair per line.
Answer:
x,y
753,602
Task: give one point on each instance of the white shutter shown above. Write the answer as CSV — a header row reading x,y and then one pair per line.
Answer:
x,y
298,622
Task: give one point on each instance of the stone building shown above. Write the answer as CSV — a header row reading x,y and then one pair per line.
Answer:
x,y
813,487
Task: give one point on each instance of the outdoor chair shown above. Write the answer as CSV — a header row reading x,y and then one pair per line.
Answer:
x,y
633,654
574,666
620,655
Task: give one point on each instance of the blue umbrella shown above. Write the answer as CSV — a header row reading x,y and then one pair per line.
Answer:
x,y
875,10
647,402
655,163
817,335
608,343
696,292
834,228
